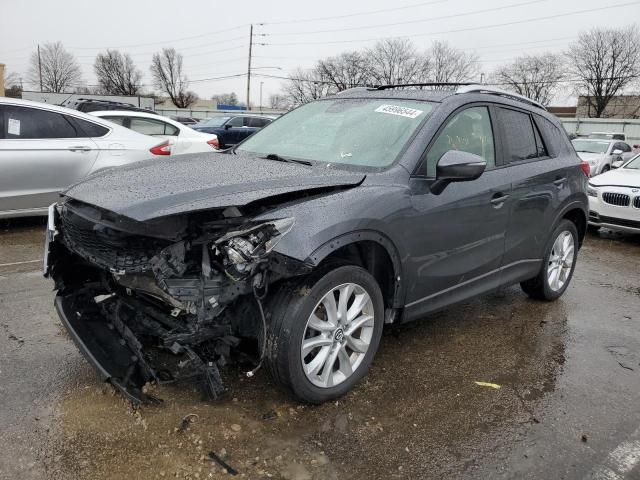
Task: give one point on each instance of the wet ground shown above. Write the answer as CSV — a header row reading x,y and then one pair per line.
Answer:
x,y
568,405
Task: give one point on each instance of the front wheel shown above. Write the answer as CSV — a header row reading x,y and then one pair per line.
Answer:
x,y
558,265
325,332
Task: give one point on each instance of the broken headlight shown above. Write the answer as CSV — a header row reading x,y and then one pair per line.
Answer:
x,y
242,250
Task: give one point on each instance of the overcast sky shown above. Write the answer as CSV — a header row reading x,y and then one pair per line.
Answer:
x,y
213,36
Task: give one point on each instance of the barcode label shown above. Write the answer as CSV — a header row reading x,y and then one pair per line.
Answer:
x,y
401,111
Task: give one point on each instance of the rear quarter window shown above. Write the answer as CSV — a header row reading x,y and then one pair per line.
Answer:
x,y
555,137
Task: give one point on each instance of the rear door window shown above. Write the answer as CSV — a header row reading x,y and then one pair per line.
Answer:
x,y
257,122
521,137
151,126
88,129
23,123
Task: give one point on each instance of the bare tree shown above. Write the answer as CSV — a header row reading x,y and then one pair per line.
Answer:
x,y
117,75
278,102
347,70
452,65
535,76
226,98
60,70
306,85
166,69
605,61
12,85
393,61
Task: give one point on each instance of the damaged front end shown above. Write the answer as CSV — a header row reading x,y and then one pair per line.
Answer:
x,y
164,300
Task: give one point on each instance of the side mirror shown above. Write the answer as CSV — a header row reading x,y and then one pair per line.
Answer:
x,y
617,164
227,126
457,166
617,151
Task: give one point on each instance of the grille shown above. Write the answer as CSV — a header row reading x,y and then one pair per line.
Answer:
x,y
108,248
617,199
620,221
636,202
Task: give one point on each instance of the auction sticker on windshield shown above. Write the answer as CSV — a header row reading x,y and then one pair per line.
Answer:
x,y
401,111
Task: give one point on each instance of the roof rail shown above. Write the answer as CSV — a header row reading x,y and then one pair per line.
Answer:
x,y
476,88
426,84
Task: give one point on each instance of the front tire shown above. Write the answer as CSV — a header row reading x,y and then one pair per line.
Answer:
x,y
558,265
324,332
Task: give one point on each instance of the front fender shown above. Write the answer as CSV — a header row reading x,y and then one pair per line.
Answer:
x,y
329,222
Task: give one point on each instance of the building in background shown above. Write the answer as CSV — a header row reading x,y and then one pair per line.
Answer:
x,y
621,106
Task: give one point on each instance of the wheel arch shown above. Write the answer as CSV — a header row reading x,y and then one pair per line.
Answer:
x,y
575,212
375,252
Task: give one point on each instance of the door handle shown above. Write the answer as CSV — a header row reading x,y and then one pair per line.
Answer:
x,y
498,200
80,148
559,182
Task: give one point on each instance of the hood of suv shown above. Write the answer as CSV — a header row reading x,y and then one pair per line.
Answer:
x,y
157,188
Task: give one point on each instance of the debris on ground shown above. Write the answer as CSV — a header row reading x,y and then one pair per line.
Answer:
x,y
230,470
625,366
584,438
186,422
272,415
490,385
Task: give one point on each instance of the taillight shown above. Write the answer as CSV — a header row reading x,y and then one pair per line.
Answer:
x,y
585,168
214,143
163,148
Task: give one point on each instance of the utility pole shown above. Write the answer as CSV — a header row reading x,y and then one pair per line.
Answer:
x,y
1,79
40,67
249,68
261,84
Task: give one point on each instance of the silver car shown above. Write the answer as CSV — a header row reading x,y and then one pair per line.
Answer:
x,y
45,148
601,154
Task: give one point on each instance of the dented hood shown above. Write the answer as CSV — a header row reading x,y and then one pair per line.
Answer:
x,y
160,187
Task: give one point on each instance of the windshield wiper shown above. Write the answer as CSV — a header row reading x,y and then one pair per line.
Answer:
x,y
278,158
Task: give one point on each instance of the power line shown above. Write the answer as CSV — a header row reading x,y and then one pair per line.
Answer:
x,y
349,15
164,42
468,29
407,22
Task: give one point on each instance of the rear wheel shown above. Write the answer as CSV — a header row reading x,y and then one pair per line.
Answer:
x,y
325,332
559,262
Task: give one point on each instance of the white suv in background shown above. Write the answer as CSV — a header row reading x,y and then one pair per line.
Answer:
x,y
45,148
180,138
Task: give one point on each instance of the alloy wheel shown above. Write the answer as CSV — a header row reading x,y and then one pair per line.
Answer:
x,y
560,261
337,335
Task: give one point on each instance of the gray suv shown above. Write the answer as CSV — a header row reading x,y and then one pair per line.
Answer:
x,y
295,248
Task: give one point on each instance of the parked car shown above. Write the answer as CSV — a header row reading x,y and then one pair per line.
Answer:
x,y
614,198
232,129
45,148
373,207
601,154
94,105
608,136
189,121
182,138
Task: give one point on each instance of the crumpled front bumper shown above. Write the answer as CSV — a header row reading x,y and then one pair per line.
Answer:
x,y
104,347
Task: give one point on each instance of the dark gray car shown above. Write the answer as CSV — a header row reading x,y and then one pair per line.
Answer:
x,y
296,247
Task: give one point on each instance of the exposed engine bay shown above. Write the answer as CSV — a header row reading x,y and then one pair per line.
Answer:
x,y
165,300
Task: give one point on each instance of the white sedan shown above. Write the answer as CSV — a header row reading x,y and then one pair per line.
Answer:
x,y
602,154
179,138
614,198
45,148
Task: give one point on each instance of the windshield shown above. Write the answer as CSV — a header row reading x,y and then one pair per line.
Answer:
x,y
590,146
213,122
634,163
361,132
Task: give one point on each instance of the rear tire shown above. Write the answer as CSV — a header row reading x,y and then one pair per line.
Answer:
x,y
309,346
558,265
